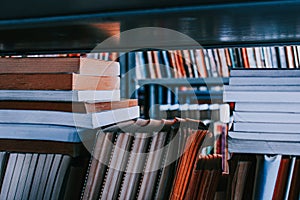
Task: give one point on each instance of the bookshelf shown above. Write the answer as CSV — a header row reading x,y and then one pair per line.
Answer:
x,y
59,27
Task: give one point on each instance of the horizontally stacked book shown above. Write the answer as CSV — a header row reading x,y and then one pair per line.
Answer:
x,y
60,94
48,107
267,111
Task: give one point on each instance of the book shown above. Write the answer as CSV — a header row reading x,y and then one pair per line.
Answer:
x,y
263,147
51,95
96,173
76,107
58,82
281,180
153,164
22,179
44,132
38,175
84,66
16,176
261,96
265,88
90,120
45,174
286,137
265,73
52,175
264,81
3,159
10,168
43,147
30,176
116,166
135,166
267,117
267,107
266,172
294,192
61,175
266,127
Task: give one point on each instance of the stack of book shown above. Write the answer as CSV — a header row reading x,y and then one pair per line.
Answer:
x,y
48,106
73,92
267,111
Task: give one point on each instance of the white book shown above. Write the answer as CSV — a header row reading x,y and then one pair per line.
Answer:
x,y
261,96
282,56
51,95
266,127
90,120
263,147
265,177
265,88
264,81
267,107
45,132
260,136
265,73
267,117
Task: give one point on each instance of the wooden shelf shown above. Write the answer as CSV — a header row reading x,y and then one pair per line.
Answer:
x,y
30,27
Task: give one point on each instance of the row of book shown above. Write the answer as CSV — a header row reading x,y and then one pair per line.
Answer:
x,y
40,176
164,159
212,62
153,159
264,177
266,113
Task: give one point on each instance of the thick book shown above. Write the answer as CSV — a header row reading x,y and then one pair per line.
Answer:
x,y
263,147
58,82
286,137
66,95
76,107
262,96
265,73
267,107
90,120
264,81
266,127
267,117
85,66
